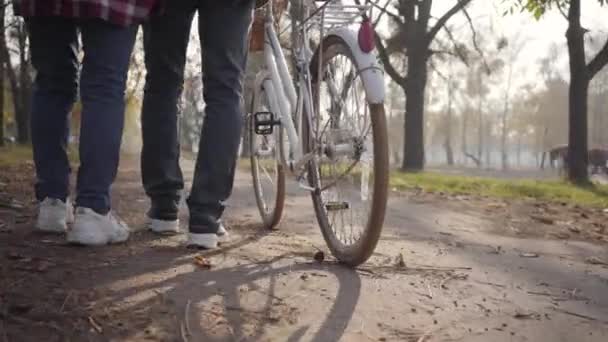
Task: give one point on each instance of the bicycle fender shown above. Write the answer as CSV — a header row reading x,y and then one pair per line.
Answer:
x,y
371,71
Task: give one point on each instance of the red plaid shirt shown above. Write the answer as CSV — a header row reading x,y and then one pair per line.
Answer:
x,y
119,12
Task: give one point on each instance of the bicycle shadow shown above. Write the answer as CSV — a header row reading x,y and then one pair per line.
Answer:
x,y
198,291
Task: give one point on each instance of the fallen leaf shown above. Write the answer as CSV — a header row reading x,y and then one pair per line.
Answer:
x,y
543,219
202,262
525,315
574,229
496,205
528,255
595,261
561,235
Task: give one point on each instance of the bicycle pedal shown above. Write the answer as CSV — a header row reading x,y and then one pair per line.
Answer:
x,y
337,206
264,122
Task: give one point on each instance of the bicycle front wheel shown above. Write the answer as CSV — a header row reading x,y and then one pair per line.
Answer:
x,y
349,138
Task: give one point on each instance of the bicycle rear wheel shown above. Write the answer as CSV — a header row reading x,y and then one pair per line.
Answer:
x,y
349,138
267,169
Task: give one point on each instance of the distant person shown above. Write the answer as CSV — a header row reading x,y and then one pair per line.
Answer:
x,y
223,28
108,30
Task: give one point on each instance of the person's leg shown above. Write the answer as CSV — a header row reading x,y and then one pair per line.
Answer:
x,y
54,49
107,52
224,60
165,43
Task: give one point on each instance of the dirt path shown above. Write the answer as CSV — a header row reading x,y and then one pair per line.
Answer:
x,y
471,271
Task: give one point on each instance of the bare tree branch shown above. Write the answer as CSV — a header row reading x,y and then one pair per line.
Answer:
x,y
386,61
436,70
444,19
444,52
598,62
475,44
561,10
383,10
457,51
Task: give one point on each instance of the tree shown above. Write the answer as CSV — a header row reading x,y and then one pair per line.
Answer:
x,y
413,38
447,144
512,54
581,74
479,80
15,48
2,45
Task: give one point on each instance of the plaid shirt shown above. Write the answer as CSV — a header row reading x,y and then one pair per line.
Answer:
x,y
119,12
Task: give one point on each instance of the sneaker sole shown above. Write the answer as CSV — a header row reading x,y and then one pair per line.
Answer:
x,y
87,238
223,238
59,229
163,227
205,241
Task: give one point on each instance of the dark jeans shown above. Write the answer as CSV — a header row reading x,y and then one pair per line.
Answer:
x,y
107,50
223,30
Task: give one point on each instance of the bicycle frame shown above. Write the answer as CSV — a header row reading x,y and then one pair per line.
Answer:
x,y
292,98
281,88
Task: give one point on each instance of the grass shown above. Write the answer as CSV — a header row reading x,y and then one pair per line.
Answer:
x,y
16,154
552,191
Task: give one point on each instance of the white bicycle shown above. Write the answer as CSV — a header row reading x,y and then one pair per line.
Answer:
x,y
323,122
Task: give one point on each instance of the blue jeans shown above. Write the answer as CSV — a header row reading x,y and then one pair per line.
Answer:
x,y
107,50
223,30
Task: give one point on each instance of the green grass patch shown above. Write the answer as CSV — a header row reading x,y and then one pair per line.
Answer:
x,y
552,191
16,154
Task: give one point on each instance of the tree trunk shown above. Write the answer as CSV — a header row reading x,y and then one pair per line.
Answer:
x,y
413,142
518,150
504,123
480,120
577,108
463,140
2,46
449,153
23,119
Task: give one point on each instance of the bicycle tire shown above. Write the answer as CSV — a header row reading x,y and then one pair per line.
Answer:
x,y
359,252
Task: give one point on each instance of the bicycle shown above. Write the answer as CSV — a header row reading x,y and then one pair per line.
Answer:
x,y
324,124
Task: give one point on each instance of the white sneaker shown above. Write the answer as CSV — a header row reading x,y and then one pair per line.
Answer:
x,y
163,226
222,234
54,215
210,240
206,241
93,229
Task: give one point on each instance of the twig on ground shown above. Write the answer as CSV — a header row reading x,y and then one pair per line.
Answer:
x,y
428,287
578,315
186,318
66,301
95,325
540,293
183,333
460,276
441,268
424,336
491,284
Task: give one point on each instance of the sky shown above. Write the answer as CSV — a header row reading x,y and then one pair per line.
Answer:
x,y
538,35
